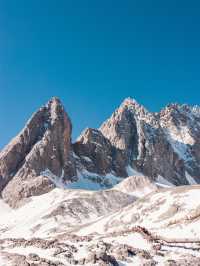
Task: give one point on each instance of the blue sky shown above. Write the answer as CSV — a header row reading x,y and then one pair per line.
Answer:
x,y
93,54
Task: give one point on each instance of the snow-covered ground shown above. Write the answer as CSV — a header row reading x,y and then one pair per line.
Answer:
x,y
60,209
137,186
171,214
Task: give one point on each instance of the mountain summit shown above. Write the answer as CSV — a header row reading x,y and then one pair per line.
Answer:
x,y
163,146
45,142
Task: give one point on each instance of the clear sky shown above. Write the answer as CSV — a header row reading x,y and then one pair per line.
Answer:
x,y
93,54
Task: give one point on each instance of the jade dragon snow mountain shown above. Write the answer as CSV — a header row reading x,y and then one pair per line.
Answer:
x,y
126,193
163,146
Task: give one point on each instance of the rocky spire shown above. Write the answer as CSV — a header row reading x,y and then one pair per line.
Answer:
x,y
129,101
139,134
44,143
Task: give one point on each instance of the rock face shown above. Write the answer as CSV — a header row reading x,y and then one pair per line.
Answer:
x,y
158,144
181,127
98,155
163,146
45,142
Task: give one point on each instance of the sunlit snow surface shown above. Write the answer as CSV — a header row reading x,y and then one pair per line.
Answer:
x,y
165,210
190,179
180,140
171,213
162,182
156,210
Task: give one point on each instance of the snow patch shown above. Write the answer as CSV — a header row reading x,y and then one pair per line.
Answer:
x,y
190,179
4,208
3,261
132,172
162,182
85,180
87,159
180,140
58,181
181,135
92,181
75,156
133,239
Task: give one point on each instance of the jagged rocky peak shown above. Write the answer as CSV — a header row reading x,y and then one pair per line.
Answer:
x,y
126,124
45,142
129,102
162,146
130,105
98,155
181,126
176,109
138,110
90,134
141,136
183,119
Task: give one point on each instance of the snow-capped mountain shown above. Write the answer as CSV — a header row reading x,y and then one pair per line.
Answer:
x,y
122,195
163,146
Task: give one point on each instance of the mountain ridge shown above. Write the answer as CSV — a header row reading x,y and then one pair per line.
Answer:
x,y
118,196
161,146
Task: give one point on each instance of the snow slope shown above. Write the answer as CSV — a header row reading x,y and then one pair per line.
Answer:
x,y
170,212
80,222
137,186
59,210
